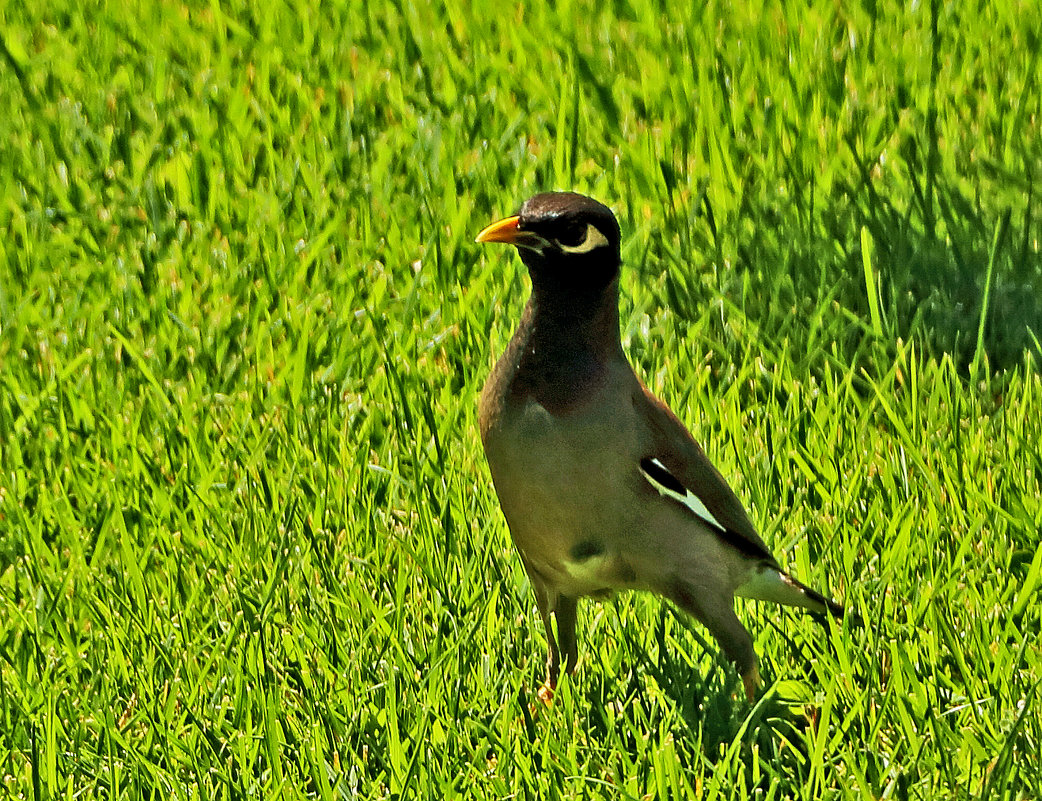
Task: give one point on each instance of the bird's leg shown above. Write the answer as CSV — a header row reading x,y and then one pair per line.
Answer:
x,y
726,628
563,644
565,614
553,657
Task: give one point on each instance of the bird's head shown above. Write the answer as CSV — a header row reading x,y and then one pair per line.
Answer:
x,y
564,239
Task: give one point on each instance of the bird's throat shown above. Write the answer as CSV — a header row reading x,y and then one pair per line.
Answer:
x,y
564,344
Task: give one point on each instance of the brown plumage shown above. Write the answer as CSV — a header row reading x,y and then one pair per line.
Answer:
x,y
603,488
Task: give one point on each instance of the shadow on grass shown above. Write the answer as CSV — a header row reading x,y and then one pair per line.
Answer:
x,y
937,282
720,729
873,257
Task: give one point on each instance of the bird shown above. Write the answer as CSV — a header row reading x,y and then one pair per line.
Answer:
x,y
602,486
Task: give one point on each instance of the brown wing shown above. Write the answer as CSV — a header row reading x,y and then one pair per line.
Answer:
x,y
687,465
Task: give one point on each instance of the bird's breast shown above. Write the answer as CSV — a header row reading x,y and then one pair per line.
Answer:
x,y
563,481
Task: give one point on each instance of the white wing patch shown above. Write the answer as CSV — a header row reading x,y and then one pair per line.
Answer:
x,y
688,498
593,239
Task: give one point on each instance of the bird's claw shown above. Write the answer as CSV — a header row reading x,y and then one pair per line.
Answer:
x,y
751,681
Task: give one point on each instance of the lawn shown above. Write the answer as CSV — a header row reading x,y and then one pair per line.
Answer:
x,y
249,546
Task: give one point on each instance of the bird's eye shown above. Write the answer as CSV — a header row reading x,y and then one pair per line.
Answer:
x,y
579,239
572,236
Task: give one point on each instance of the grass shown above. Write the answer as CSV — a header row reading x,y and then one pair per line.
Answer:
x,y
248,543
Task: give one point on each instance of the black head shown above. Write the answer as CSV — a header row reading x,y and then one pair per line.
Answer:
x,y
564,239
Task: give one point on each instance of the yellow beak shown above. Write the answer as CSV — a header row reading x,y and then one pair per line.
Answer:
x,y
502,231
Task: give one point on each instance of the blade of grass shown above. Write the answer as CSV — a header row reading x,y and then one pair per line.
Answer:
x,y
996,242
871,281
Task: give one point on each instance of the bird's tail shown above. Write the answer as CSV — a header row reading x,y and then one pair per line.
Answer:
x,y
768,583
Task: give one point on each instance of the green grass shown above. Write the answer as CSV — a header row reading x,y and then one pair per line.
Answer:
x,y
248,543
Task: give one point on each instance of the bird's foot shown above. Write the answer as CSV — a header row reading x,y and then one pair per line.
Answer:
x,y
546,692
751,681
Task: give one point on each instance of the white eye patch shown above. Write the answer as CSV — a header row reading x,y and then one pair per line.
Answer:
x,y
593,239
